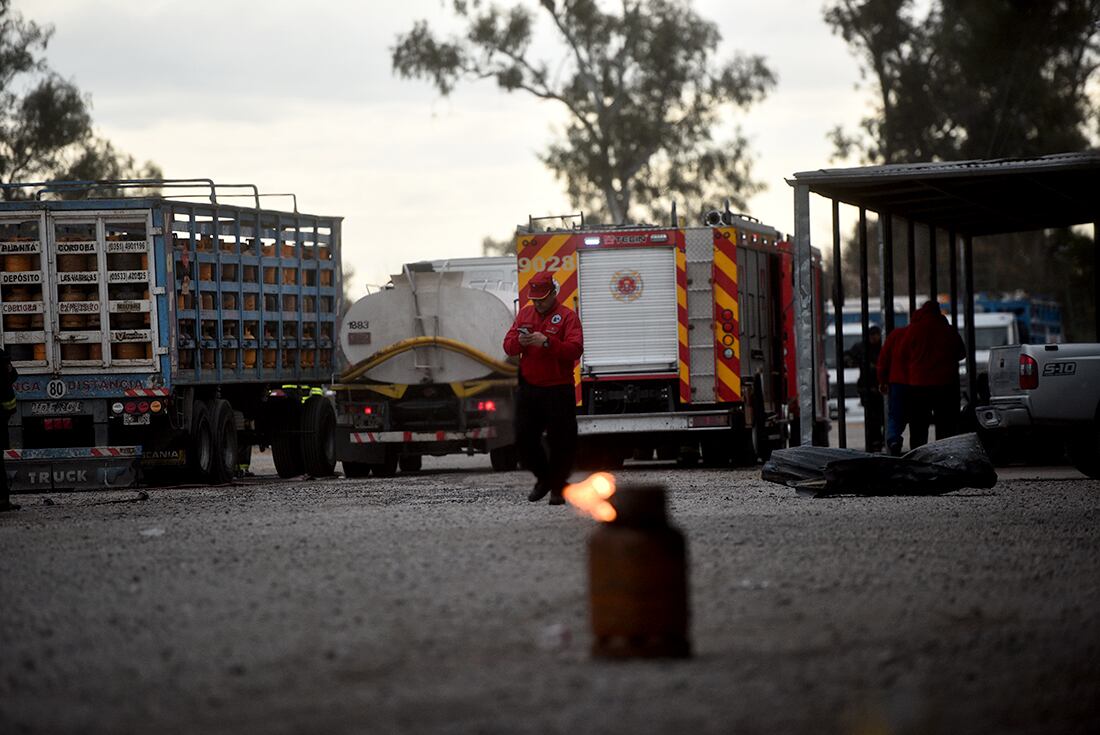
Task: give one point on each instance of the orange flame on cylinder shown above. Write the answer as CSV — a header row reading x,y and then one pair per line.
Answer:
x,y
590,496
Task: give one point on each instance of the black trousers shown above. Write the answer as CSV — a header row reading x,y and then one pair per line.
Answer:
x,y
553,410
928,404
874,418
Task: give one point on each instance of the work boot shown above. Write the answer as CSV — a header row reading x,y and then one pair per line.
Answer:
x,y
557,496
894,449
538,492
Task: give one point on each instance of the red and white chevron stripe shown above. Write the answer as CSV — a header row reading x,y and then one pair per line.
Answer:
x,y
132,392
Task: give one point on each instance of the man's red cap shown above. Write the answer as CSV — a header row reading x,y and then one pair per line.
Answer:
x,y
541,285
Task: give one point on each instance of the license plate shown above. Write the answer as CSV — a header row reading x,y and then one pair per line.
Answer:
x,y
135,419
56,408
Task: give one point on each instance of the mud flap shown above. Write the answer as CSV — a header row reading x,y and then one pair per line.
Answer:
x,y
48,470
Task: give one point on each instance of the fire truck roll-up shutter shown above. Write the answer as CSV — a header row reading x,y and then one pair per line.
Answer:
x,y
629,311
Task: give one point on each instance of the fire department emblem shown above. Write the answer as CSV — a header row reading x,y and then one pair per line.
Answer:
x,y
626,285
556,319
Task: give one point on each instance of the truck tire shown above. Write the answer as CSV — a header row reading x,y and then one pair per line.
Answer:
x,y
200,445
1084,450
387,467
503,459
224,427
717,449
761,444
356,470
286,443
318,437
410,462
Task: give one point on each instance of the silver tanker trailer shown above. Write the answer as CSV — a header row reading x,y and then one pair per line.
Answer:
x,y
428,373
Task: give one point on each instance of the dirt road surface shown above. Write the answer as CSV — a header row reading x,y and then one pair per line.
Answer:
x,y
444,602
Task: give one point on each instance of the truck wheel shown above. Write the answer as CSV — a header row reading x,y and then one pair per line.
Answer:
x,y
410,462
744,453
387,467
318,437
503,459
356,470
200,449
225,442
761,445
286,444
717,450
1084,451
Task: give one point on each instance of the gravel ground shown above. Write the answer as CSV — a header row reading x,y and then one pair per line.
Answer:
x,y
444,602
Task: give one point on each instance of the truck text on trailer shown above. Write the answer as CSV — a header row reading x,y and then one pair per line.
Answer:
x,y
151,331
684,327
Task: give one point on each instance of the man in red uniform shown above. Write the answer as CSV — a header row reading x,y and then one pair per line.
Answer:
x,y
931,352
547,338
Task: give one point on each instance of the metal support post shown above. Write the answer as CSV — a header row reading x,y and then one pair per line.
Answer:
x,y
864,312
838,321
968,314
886,228
933,283
953,279
804,313
911,257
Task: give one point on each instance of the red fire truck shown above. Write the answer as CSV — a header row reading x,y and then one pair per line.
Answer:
x,y
688,336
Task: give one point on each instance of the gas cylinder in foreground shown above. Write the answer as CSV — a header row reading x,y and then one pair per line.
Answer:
x,y
637,577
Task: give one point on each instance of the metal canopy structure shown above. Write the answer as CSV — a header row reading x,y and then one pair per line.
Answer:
x,y
965,198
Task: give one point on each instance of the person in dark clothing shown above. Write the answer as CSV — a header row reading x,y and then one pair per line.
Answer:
x,y
8,375
931,352
865,356
893,382
546,336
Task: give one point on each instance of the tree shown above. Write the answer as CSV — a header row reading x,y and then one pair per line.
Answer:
x,y
45,122
642,88
977,79
972,78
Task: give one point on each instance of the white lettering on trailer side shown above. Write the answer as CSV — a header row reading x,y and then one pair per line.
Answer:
x,y
29,246
78,277
21,277
87,246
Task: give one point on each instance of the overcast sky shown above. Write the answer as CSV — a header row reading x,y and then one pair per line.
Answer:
x,y
296,96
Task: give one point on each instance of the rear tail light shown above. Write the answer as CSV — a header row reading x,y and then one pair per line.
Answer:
x,y
1029,373
487,406
57,424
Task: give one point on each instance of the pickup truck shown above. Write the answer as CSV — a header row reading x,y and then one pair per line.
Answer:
x,y
1052,388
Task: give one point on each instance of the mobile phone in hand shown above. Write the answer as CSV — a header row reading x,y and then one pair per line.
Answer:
x,y
524,330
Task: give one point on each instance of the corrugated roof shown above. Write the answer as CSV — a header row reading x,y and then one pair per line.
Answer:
x,y
972,197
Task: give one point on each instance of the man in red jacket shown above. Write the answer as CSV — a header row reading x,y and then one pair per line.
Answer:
x,y
547,338
931,352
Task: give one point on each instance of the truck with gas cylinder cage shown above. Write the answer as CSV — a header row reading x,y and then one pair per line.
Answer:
x,y
688,336
428,374
154,333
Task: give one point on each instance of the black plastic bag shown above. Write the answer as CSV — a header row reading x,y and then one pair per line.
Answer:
x,y
939,467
